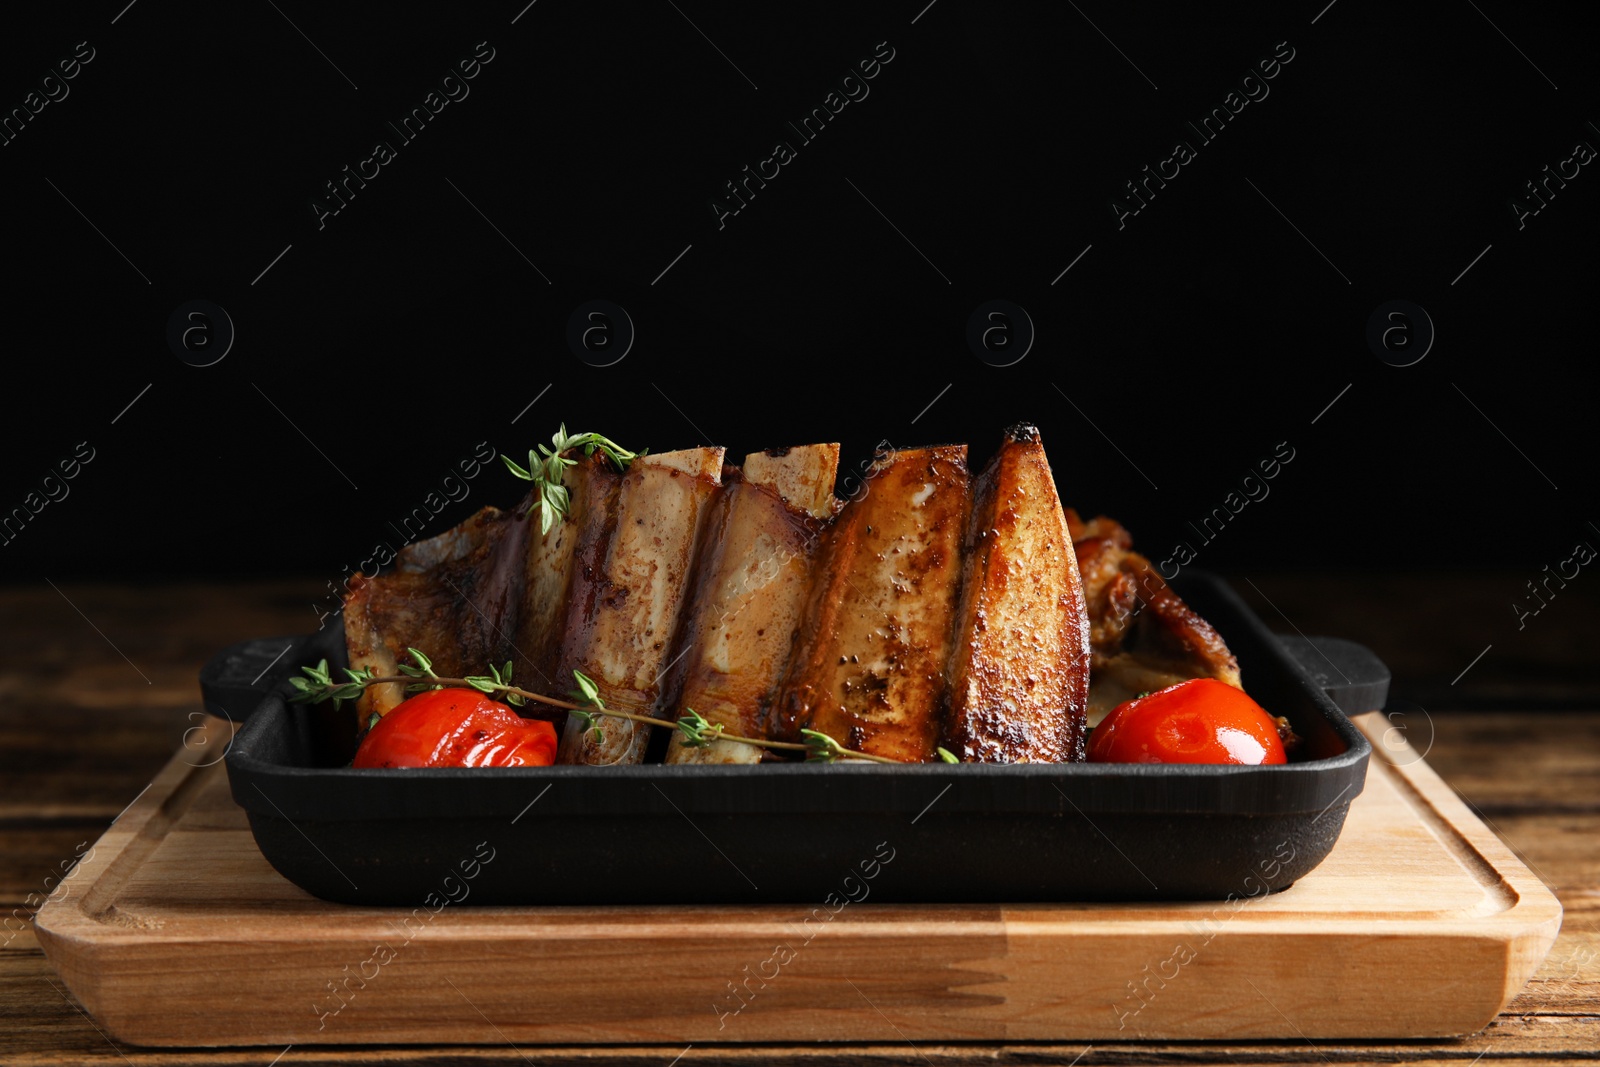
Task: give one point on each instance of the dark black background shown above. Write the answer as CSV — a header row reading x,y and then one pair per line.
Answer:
x,y
408,329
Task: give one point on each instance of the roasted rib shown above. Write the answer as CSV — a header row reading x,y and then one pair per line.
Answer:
x,y
754,576
870,671
1019,672
626,596
1143,636
548,573
453,596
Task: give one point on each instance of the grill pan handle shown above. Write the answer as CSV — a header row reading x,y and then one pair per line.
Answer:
x,y
1350,673
236,679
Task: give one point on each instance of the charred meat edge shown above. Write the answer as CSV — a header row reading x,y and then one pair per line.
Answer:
x,y
1020,669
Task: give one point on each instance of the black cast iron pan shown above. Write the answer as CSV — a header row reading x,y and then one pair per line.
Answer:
x,y
794,833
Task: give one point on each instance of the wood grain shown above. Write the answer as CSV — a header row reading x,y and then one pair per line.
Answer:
x,y
1532,762
71,758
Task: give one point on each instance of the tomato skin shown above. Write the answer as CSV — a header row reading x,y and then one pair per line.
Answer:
x,y
1198,721
456,728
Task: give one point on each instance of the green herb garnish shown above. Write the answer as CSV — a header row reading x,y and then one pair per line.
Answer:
x,y
552,499
697,731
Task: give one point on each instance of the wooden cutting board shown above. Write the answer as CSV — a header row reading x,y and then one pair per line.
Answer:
x,y
1421,923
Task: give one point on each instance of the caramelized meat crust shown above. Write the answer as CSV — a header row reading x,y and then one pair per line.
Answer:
x,y
1019,674
871,669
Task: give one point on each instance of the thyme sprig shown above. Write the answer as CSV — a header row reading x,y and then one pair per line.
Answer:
x,y
317,686
546,471
697,731
694,728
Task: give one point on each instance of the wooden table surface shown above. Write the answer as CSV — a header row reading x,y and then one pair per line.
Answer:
x,y
97,688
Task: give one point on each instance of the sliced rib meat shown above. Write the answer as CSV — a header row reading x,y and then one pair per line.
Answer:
x,y
625,601
754,577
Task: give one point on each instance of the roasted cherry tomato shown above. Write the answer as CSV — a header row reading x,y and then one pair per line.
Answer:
x,y
456,728
1198,721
